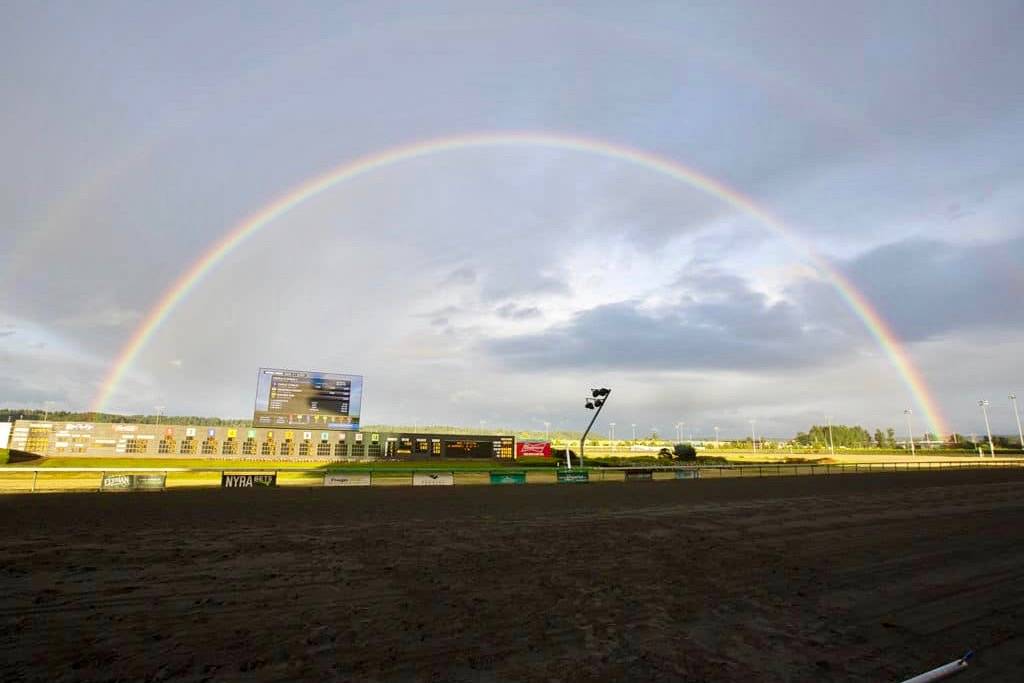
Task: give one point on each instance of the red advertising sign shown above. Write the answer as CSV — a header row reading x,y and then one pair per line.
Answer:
x,y
535,449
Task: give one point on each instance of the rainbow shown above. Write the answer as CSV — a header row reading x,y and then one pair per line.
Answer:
x,y
192,277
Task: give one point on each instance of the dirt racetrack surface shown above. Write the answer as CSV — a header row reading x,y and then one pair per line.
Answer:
x,y
842,578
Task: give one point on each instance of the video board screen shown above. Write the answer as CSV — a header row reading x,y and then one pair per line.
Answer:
x,y
307,398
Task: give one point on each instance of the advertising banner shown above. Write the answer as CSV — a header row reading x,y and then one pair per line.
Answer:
x,y
433,479
573,476
535,449
639,475
688,474
347,479
116,482
247,481
133,482
150,482
502,478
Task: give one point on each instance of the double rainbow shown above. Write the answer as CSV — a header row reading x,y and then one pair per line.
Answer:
x,y
191,278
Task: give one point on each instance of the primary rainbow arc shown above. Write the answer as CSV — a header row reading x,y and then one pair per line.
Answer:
x,y
188,280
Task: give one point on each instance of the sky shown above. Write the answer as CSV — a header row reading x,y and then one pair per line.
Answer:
x,y
494,285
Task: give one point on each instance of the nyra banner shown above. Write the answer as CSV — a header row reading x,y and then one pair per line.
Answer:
x,y
247,481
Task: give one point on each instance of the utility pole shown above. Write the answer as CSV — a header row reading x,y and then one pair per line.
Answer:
x,y
984,411
753,435
1020,433
716,438
910,430
611,434
634,433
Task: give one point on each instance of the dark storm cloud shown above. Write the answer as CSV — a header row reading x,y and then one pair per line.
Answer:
x,y
722,325
926,288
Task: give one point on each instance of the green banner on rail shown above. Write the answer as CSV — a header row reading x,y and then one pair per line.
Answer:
x,y
508,478
573,477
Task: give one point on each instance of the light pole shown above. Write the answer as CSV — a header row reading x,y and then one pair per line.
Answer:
x,y
753,435
679,432
611,434
831,443
594,402
716,438
634,433
1020,433
547,431
910,430
984,411
159,414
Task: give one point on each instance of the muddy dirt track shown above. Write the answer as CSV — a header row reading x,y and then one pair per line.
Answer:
x,y
843,578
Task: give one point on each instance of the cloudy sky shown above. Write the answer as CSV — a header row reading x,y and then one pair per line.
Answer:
x,y
497,284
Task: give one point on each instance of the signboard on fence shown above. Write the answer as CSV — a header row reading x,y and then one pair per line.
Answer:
x,y
639,475
133,482
150,482
116,482
535,449
573,476
433,479
247,481
347,479
688,474
502,478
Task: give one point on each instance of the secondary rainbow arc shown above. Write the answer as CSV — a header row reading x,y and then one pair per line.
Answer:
x,y
190,278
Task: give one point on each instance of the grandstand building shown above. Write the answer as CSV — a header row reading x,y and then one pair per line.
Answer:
x,y
105,439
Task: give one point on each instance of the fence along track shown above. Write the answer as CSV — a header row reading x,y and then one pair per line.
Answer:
x,y
40,479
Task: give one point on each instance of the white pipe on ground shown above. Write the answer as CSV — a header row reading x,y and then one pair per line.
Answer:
x,y
943,671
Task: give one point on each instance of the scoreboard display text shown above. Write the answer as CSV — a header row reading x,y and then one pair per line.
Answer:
x,y
307,398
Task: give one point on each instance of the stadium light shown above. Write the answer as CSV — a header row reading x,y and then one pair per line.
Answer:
x,y
594,402
984,411
1020,432
910,430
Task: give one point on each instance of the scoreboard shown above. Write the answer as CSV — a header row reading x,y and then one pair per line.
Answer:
x,y
307,398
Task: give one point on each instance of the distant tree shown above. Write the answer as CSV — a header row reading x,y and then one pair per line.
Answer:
x,y
890,438
684,451
879,438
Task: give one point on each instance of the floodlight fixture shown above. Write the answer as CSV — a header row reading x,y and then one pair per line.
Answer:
x,y
984,411
1016,414
594,402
